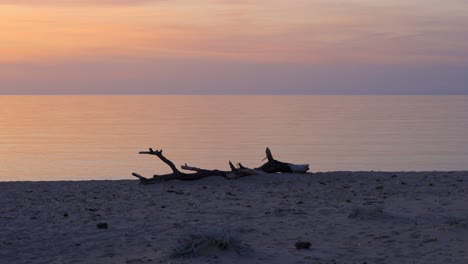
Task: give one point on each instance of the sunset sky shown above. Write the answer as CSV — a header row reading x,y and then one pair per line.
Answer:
x,y
233,47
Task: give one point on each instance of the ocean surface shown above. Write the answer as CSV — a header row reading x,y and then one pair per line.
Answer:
x,y
99,137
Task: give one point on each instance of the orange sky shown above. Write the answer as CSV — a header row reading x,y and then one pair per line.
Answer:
x,y
302,32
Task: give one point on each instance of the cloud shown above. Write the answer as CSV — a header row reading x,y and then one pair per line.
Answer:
x,y
280,32
76,2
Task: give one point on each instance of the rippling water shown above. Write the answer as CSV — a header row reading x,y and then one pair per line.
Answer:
x,y
98,137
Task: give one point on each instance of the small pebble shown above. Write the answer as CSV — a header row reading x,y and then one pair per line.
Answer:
x,y
303,245
101,225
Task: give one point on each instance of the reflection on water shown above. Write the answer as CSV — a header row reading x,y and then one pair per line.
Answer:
x,y
98,137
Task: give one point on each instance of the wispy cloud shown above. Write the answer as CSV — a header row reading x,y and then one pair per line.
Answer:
x,y
283,31
76,2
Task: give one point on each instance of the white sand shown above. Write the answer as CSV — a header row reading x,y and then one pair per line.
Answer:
x,y
55,222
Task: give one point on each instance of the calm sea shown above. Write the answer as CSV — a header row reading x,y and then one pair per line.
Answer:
x,y
98,137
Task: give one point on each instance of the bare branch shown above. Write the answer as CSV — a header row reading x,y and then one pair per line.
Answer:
x,y
232,166
269,155
159,154
190,168
241,166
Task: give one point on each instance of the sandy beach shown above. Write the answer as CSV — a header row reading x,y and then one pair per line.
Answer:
x,y
347,217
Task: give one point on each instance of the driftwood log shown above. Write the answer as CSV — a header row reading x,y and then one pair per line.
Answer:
x,y
271,166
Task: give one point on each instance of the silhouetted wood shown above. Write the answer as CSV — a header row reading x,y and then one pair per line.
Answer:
x,y
159,154
274,166
271,166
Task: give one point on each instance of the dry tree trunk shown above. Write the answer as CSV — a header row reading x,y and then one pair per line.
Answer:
x,y
272,166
